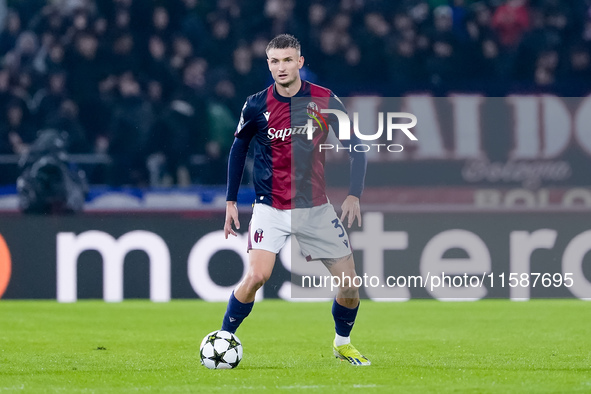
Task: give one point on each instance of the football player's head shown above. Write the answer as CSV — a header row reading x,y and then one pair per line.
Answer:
x,y
284,59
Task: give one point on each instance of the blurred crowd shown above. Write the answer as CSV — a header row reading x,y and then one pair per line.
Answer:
x,y
156,84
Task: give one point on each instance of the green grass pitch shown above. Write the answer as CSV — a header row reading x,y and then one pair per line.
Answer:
x,y
491,346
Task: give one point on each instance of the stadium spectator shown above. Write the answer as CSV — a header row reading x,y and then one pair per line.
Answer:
x,y
375,35
245,76
48,100
155,94
66,120
404,66
459,12
331,49
443,23
546,67
99,27
489,58
478,24
130,133
17,132
222,124
182,50
280,15
161,23
193,27
182,129
124,55
220,46
510,21
6,94
317,15
157,68
54,60
85,66
10,33
579,64
23,54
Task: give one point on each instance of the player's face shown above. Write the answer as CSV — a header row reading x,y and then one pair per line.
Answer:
x,y
285,65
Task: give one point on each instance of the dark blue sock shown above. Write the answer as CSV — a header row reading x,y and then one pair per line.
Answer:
x,y
236,312
344,318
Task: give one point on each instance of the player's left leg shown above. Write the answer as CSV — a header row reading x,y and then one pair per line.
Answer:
x,y
344,309
321,234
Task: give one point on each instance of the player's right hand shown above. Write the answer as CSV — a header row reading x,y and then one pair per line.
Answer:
x,y
231,218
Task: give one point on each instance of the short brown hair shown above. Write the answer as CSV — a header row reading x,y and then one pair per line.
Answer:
x,y
283,41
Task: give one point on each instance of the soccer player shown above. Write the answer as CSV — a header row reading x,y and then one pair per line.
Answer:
x,y
284,193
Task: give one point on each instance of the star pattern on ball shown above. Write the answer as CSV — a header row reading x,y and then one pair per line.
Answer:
x,y
201,356
211,353
235,363
217,358
233,343
212,338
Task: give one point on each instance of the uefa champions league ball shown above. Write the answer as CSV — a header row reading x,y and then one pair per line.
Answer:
x,y
221,350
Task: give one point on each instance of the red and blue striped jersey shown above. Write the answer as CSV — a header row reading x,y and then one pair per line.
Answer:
x,y
288,168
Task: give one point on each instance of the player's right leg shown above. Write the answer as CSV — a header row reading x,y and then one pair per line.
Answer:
x,y
268,232
259,270
261,264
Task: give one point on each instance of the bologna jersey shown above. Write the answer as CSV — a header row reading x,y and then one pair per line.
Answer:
x,y
288,166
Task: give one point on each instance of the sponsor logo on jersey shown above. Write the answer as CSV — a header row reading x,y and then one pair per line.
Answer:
x,y
282,134
266,115
258,235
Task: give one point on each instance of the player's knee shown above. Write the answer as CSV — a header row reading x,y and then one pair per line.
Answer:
x,y
350,285
255,280
349,291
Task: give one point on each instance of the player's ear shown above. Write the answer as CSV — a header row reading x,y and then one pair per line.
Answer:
x,y
301,62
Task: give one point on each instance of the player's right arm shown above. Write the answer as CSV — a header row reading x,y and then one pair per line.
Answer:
x,y
244,132
231,218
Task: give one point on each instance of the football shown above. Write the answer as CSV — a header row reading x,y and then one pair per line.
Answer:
x,y
221,350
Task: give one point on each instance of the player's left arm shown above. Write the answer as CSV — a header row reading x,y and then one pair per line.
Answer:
x,y
351,208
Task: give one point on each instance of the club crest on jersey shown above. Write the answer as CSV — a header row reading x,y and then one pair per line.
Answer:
x,y
258,235
312,108
313,113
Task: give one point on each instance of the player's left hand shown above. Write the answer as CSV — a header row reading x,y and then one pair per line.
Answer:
x,y
351,211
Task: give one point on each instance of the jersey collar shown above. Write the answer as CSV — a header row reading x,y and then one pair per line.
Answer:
x,y
284,99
